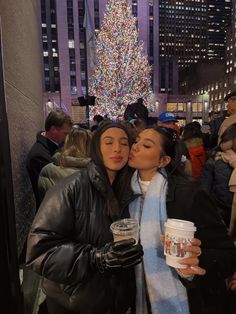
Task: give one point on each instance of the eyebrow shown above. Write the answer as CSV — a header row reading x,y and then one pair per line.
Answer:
x,y
147,139
110,137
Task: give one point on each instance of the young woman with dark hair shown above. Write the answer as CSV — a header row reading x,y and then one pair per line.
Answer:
x,y
161,193
70,243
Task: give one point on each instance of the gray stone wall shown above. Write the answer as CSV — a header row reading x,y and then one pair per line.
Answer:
x,y
23,86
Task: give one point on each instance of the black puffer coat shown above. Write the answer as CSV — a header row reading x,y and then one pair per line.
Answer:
x,y
70,222
215,179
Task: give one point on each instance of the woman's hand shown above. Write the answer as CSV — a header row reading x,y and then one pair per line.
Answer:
x,y
192,261
231,283
116,255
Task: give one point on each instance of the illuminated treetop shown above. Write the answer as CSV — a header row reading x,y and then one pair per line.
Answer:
x,y
122,73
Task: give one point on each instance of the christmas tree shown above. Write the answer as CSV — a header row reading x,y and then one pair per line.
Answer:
x,y
122,73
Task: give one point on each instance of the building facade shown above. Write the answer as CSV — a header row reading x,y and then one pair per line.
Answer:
x,y
183,37
222,84
192,31
64,44
218,20
183,27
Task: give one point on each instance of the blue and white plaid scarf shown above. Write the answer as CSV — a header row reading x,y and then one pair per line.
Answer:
x,y
165,291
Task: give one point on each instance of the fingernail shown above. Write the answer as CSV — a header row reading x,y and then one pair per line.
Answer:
x,y
194,268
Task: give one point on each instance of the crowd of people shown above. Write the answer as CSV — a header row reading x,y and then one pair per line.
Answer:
x,y
84,180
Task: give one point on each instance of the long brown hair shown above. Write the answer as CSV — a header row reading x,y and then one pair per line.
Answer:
x,y
77,144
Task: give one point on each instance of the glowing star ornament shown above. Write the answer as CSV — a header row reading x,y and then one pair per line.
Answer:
x,y
122,73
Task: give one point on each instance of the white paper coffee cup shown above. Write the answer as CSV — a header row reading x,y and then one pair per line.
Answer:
x,y
125,229
178,234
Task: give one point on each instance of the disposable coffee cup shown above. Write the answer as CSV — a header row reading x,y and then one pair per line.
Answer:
x,y
125,229
178,234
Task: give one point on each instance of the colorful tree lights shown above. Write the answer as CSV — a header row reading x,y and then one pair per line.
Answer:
x,y
122,73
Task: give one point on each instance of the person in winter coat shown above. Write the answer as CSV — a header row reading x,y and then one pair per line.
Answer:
x,y
73,156
193,139
136,110
163,192
57,126
217,175
220,124
168,121
70,243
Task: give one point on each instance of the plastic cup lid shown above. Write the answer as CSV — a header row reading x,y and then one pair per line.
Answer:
x,y
180,224
124,226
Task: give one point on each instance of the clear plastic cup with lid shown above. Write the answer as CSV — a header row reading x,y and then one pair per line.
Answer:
x,y
127,228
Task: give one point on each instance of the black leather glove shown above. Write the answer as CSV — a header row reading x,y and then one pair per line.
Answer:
x,y
117,255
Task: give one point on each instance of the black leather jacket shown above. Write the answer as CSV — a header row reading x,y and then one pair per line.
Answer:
x,y
70,222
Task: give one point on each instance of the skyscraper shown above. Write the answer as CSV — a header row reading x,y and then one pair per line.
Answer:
x,y
218,19
217,79
183,27
65,48
191,31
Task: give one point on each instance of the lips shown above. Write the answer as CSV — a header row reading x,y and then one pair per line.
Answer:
x,y
116,158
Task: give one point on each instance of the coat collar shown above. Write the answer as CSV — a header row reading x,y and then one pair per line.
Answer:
x,y
171,189
46,142
101,183
98,179
70,161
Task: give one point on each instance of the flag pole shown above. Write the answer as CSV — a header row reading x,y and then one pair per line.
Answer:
x,y
86,65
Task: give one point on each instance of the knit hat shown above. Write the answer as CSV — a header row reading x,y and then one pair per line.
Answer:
x,y
105,125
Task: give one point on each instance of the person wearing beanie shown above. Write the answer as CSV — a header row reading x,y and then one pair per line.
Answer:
x,y
70,243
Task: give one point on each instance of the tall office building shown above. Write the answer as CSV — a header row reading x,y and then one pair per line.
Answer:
x,y
191,31
218,77
230,76
218,20
182,33
64,43
224,83
183,27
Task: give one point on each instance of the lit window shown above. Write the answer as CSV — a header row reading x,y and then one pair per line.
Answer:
x,y
71,44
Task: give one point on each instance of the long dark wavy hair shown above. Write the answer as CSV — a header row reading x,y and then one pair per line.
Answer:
x,y
122,179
